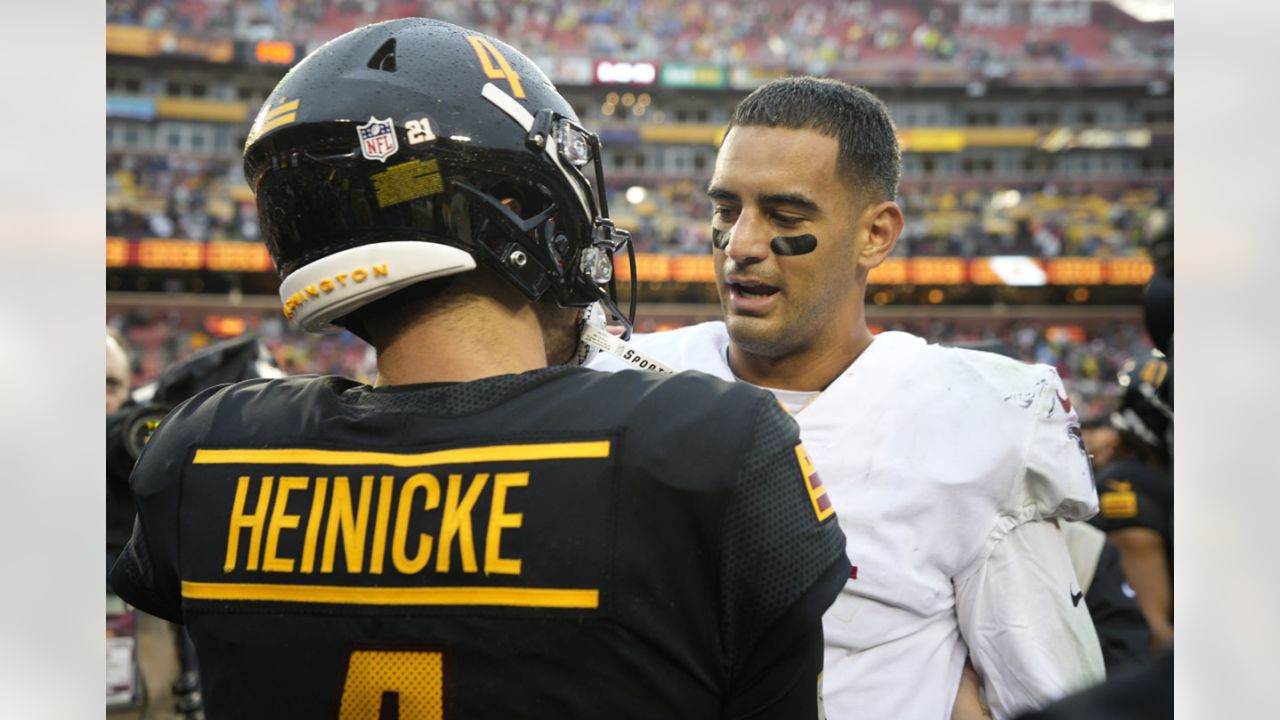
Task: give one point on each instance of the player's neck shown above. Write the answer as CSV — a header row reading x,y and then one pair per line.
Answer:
x,y
482,339
812,368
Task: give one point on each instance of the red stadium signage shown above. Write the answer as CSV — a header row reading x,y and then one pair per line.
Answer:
x,y
624,72
225,325
237,257
1075,271
648,267
275,52
1129,271
232,256
939,271
893,271
692,268
1007,270
117,252
156,254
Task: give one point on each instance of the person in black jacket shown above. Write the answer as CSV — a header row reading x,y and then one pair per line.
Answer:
x,y
1135,490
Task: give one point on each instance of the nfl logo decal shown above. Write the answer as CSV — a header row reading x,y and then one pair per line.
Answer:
x,y
378,139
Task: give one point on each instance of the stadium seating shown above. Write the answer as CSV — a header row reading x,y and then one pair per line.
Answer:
x,y
184,197
763,32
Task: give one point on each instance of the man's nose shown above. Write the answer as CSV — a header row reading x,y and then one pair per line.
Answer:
x,y
748,241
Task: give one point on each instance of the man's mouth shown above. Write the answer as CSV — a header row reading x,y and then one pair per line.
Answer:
x,y
750,297
752,289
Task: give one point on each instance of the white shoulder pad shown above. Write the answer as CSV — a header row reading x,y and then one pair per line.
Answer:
x,y
1058,482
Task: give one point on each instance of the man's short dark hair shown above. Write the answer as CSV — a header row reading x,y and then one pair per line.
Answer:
x,y
869,160
378,322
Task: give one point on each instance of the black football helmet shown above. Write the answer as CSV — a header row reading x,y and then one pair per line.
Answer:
x,y
1157,298
382,160
1145,412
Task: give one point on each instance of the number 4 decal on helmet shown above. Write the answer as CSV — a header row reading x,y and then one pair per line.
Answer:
x,y
495,65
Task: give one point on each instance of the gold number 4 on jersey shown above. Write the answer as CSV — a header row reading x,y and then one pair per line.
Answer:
x,y
414,681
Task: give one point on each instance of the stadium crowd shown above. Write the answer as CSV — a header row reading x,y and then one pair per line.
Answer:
x,y
811,35
1039,221
203,199
1086,358
179,196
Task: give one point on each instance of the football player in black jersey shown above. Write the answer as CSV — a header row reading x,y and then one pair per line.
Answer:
x,y
485,533
1135,490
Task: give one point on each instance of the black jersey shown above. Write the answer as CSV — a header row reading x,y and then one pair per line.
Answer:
x,y
561,543
1123,632
1134,494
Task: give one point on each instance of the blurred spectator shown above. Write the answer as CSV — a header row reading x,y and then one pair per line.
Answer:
x,y
179,196
118,373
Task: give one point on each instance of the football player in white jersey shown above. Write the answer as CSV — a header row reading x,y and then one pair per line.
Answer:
x,y
949,467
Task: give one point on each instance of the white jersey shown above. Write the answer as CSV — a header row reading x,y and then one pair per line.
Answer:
x,y
947,468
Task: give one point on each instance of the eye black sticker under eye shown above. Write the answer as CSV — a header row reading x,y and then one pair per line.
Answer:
x,y
794,245
719,239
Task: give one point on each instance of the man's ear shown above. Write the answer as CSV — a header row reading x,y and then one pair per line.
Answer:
x,y
884,225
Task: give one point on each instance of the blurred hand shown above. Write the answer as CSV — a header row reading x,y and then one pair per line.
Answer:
x,y
969,705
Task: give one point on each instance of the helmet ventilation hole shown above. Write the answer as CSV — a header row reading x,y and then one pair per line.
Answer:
x,y
385,57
